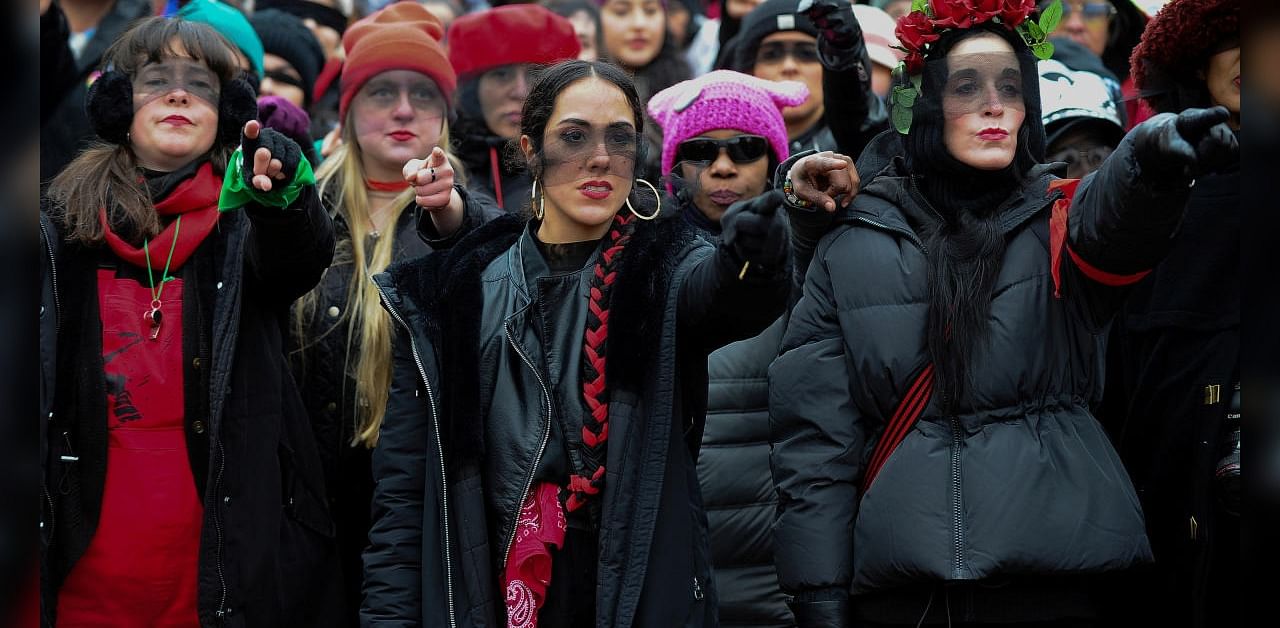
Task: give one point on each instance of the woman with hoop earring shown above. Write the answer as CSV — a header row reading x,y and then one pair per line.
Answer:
x,y
549,387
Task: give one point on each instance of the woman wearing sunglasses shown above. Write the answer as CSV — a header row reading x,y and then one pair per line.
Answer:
x,y
536,461
394,105
724,136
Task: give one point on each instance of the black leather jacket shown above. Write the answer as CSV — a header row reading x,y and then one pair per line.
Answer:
x,y
471,410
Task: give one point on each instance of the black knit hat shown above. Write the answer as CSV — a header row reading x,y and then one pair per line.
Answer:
x,y
773,16
285,36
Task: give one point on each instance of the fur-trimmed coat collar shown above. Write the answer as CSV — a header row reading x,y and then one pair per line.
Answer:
x,y
444,293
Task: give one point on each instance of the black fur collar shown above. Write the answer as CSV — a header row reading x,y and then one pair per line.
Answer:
x,y
446,288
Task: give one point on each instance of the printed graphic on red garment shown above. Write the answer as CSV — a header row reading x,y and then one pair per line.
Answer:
x,y
144,376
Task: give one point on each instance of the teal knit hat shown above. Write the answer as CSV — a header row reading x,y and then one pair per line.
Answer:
x,y
230,23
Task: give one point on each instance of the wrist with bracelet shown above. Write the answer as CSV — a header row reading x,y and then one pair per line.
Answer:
x,y
789,195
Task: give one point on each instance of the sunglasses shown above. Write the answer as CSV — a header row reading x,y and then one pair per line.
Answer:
x,y
742,149
775,52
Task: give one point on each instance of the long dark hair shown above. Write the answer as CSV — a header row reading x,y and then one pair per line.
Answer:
x,y
105,176
967,245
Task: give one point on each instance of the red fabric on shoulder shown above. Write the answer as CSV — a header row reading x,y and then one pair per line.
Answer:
x,y
1058,244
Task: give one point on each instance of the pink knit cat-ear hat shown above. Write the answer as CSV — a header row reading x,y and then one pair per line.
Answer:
x,y
724,99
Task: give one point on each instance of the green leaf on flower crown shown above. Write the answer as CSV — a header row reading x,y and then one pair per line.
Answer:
x,y
920,5
905,96
1037,33
902,119
1025,32
1043,50
918,80
1051,16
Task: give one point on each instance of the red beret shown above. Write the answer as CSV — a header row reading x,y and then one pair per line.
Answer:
x,y
1181,37
402,36
513,33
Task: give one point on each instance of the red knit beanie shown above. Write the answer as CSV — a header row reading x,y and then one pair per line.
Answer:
x,y
513,33
1178,41
402,36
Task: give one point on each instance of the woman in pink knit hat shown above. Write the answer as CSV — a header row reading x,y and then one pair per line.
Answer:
x,y
723,135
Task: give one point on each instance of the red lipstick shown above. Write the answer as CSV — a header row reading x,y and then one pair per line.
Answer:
x,y
993,134
177,120
596,190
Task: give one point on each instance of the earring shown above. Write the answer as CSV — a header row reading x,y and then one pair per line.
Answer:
x,y
656,195
537,204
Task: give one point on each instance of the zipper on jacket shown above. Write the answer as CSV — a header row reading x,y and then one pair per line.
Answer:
x,y
53,279
546,436
907,232
435,425
53,517
697,589
957,505
217,526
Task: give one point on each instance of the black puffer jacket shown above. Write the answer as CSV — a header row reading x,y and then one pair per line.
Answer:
x,y
465,388
267,553
323,361
737,487
1019,482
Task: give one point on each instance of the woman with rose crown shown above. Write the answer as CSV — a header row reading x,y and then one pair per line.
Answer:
x,y
934,451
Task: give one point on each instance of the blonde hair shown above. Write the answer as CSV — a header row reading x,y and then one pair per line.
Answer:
x,y
341,177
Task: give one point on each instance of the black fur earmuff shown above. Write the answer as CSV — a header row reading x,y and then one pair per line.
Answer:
x,y
109,106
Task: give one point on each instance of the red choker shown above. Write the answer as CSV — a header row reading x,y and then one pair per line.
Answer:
x,y
386,186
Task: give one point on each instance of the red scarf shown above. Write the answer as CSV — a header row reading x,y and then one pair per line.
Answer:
x,y
195,200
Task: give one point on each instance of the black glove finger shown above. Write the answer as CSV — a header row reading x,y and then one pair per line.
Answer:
x,y
1217,149
766,204
1193,124
283,149
237,104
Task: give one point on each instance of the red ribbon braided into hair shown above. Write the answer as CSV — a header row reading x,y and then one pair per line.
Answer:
x,y
595,390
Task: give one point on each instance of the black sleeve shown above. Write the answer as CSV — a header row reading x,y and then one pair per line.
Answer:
x,y
717,307
1119,226
477,209
854,113
808,225
817,436
58,73
393,558
288,249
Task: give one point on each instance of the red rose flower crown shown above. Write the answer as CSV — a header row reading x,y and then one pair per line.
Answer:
x,y
928,19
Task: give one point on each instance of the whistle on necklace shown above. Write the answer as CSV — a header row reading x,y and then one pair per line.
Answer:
x,y
154,317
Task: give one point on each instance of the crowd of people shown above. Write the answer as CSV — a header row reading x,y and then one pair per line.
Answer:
x,y
640,313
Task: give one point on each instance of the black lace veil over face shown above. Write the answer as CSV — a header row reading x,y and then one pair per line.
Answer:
x,y
958,84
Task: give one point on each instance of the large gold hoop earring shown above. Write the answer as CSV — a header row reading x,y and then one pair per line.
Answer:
x,y
655,195
538,205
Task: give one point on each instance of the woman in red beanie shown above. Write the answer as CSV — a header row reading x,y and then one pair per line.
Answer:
x,y
518,484
396,90
1173,383
495,54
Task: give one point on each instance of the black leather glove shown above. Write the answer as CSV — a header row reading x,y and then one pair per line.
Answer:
x,y
1173,148
834,20
280,146
754,231
823,614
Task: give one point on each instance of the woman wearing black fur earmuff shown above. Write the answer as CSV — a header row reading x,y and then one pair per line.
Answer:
x,y
182,482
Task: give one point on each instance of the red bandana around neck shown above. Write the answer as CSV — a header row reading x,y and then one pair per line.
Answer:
x,y
195,200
